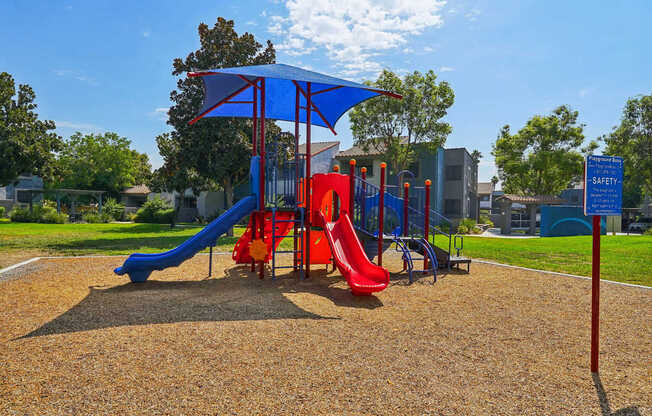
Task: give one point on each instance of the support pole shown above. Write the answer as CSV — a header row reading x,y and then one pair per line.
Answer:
x,y
426,221
595,296
254,124
351,187
363,173
406,201
406,191
297,175
308,174
381,212
210,261
261,272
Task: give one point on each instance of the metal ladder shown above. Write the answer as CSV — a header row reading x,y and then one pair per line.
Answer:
x,y
297,237
407,245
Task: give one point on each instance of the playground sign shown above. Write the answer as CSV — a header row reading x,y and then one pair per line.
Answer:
x,y
603,185
603,195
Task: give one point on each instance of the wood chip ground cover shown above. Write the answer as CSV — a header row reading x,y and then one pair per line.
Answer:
x,y
76,339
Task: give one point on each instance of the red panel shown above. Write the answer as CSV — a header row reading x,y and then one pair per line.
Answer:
x,y
241,249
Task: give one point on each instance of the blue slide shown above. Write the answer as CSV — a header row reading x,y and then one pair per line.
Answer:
x,y
140,266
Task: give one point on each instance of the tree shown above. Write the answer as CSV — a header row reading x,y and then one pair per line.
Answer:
x,y
476,156
214,152
632,140
494,180
544,157
27,144
394,127
104,162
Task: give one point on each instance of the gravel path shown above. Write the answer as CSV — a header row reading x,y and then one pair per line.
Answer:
x,y
76,339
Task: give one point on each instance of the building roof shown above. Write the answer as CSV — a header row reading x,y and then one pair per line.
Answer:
x,y
137,190
357,151
317,147
529,200
485,187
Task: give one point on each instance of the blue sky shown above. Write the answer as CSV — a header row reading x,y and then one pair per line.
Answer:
x,y
106,66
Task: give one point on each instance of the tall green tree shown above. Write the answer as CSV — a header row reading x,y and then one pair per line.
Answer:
x,y
214,152
632,140
104,162
394,127
27,144
544,157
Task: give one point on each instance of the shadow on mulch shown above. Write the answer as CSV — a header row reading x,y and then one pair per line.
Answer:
x,y
239,296
604,401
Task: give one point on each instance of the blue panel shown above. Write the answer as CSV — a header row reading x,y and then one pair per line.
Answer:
x,y
603,183
558,221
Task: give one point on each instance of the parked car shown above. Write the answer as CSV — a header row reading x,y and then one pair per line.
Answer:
x,y
640,226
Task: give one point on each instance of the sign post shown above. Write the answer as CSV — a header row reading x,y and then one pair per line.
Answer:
x,y
603,195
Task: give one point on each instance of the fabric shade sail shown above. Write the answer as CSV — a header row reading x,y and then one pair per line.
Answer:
x,y
229,92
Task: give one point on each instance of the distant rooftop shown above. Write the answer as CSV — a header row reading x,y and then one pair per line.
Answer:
x,y
137,190
317,147
537,199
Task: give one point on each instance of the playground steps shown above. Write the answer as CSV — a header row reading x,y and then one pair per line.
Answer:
x,y
445,259
281,224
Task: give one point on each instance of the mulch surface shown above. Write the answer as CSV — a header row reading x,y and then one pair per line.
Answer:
x,y
76,339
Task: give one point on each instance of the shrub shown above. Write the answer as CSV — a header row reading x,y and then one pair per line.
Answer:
x,y
462,229
45,214
51,217
130,216
114,209
2,212
21,215
164,216
648,231
484,219
95,218
155,211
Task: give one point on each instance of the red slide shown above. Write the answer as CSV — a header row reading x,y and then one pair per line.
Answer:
x,y
362,275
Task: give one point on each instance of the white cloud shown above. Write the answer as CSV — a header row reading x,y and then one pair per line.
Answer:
x,y
159,113
79,76
472,15
81,127
446,69
251,23
428,49
146,34
353,33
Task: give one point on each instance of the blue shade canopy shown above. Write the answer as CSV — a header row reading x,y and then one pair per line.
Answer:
x,y
228,92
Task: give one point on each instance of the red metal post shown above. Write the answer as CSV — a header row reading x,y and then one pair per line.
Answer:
x,y
426,220
381,212
262,170
296,172
308,174
595,296
363,173
255,121
406,191
351,187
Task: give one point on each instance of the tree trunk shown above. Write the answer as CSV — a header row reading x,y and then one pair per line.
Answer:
x,y
228,196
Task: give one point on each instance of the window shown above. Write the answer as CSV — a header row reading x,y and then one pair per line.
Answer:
x,y
453,172
452,206
369,166
24,196
189,202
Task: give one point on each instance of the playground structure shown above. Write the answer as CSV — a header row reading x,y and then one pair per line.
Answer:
x,y
322,213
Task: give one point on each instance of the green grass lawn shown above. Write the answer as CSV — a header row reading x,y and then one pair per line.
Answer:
x,y
624,258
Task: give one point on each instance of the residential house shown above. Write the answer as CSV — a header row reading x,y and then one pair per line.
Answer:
x,y
20,192
485,192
